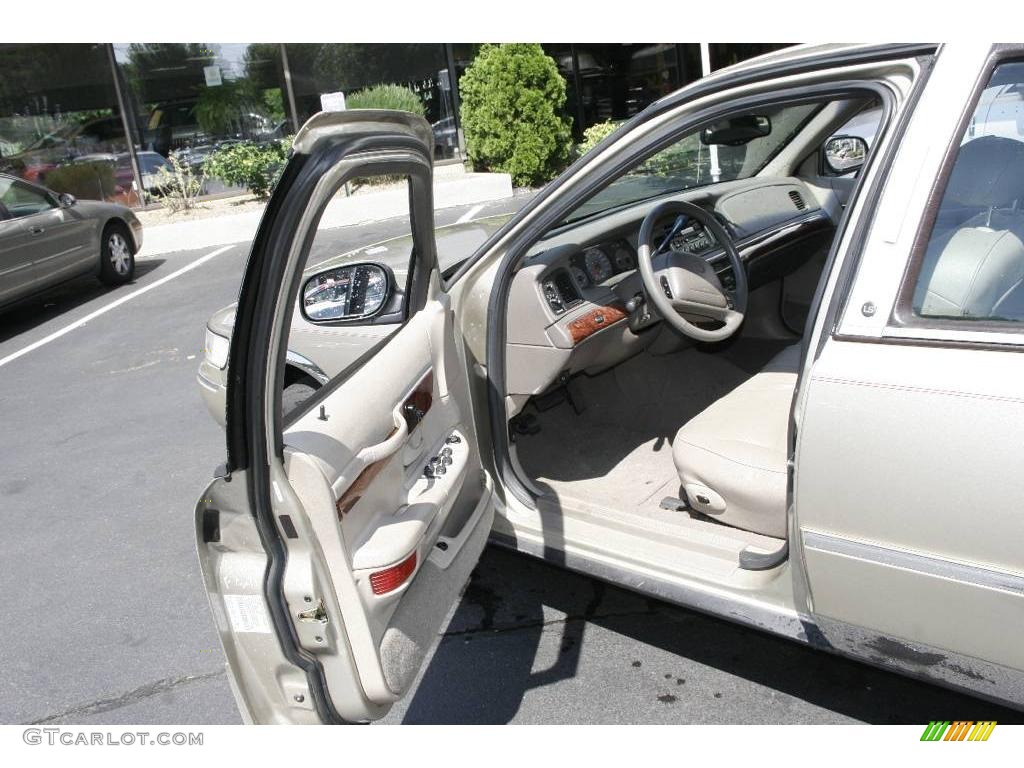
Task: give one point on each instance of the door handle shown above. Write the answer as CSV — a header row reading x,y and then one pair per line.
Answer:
x,y
391,444
36,230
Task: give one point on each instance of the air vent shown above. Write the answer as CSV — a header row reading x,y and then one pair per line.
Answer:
x,y
798,201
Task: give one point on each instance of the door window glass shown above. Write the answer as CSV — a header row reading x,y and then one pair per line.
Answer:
x,y
973,266
22,200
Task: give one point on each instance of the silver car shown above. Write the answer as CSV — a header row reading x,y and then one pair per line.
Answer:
x,y
47,238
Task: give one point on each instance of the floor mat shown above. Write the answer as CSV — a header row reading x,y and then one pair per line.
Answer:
x,y
618,452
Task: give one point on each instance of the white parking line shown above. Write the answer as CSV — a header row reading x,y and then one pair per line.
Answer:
x,y
468,215
112,305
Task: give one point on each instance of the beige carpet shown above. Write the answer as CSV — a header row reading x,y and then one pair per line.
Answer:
x,y
618,452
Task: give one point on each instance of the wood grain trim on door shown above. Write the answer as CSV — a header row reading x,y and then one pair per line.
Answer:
x,y
415,407
418,403
596,320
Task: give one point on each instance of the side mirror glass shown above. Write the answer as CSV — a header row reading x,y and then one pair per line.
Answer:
x,y
737,131
66,200
845,154
351,292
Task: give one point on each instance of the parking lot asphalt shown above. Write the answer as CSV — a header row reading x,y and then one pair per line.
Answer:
x,y
106,447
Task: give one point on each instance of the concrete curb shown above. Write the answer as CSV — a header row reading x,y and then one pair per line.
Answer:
x,y
464,189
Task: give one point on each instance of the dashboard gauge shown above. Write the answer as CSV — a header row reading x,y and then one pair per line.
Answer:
x,y
599,266
580,277
623,258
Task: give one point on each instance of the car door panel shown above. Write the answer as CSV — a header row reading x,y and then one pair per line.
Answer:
x,y
16,274
61,243
343,550
359,476
907,484
908,494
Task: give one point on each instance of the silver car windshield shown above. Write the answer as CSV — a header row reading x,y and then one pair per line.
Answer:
x,y
688,163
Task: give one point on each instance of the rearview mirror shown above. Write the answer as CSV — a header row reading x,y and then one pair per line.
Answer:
x,y
351,292
845,154
737,130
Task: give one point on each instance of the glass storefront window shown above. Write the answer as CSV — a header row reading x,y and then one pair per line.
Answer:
x,y
60,125
319,69
616,81
61,122
190,99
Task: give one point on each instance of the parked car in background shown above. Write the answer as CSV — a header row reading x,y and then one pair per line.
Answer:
x,y
47,238
150,164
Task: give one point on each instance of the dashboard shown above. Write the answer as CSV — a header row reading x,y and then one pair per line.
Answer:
x,y
563,287
577,301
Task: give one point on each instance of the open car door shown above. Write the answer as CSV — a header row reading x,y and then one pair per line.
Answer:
x,y
341,534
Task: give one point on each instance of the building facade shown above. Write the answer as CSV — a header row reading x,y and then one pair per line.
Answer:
x,y
98,120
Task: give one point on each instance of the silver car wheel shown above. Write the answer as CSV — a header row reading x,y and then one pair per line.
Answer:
x,y
120,255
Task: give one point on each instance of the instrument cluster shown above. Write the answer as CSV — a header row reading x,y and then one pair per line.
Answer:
x,y
600,263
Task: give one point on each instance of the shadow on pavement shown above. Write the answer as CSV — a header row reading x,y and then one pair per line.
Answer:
x,y
53,302
486,659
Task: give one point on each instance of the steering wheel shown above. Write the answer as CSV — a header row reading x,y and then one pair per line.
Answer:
x,y
684,285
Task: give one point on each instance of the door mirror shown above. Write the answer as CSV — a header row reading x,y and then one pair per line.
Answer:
x,y
66,200
351,292
737,131
845,154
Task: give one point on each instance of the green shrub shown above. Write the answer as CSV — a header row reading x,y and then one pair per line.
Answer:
x,y
257,167
595,134
512,113
387,97
88,181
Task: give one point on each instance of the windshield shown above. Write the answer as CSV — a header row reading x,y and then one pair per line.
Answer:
x,y
688,163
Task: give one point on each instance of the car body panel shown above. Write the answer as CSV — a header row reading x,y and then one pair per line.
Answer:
x,y
16,273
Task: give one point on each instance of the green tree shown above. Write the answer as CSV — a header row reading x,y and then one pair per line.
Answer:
x,y
513,100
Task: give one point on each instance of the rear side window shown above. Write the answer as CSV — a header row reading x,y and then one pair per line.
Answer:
x,y
973,265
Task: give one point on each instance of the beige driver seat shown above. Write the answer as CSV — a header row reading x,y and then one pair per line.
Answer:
x,y
731,457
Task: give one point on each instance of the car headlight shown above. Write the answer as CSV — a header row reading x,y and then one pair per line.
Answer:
x,y
217,348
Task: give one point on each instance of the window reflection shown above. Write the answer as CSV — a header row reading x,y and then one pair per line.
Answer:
x,y
191,99
328,68
59,121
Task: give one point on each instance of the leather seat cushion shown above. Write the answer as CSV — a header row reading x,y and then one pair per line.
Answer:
x,y
731,457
